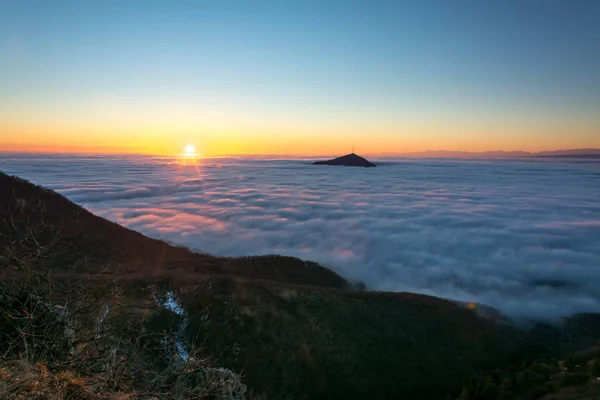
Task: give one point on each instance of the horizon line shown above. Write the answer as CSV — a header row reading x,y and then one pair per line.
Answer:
x,y
572,151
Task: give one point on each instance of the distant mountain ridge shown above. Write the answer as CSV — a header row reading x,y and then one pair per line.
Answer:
x,y
591,152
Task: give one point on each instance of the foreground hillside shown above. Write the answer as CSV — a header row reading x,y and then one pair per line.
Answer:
x,y
93,310
123,251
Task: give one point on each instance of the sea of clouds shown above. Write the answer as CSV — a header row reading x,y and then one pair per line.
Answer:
x,y
520,235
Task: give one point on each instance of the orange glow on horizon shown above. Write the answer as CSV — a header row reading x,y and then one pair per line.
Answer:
x,y
301,140
156,84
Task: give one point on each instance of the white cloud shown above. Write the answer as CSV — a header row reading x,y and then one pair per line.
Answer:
x,y
522,236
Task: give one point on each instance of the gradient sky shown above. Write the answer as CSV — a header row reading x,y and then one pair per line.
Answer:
x,y
299,77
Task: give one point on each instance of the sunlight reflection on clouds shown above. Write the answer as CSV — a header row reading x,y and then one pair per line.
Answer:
x,y
520,235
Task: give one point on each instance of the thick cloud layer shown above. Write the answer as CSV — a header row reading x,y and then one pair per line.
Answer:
x,y
519,235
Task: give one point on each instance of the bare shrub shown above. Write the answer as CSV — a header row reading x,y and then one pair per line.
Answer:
x,y
66,335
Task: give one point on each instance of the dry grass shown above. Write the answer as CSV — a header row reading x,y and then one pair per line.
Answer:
x,y
23,381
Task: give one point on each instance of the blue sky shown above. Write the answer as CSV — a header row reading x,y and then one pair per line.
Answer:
x,y
390,65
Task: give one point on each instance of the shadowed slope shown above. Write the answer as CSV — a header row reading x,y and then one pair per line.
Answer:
x,y
130,252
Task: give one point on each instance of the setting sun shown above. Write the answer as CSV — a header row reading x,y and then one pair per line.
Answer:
x,y
190,149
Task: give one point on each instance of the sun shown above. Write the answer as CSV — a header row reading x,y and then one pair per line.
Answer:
x,y
190,149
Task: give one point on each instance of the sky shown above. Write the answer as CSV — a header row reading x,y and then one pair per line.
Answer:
x,y
299,77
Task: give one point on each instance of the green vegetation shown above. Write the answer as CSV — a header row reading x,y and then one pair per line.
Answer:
x,y
576,375
361,344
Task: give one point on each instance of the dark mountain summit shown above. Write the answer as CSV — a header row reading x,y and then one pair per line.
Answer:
x,y
349,160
